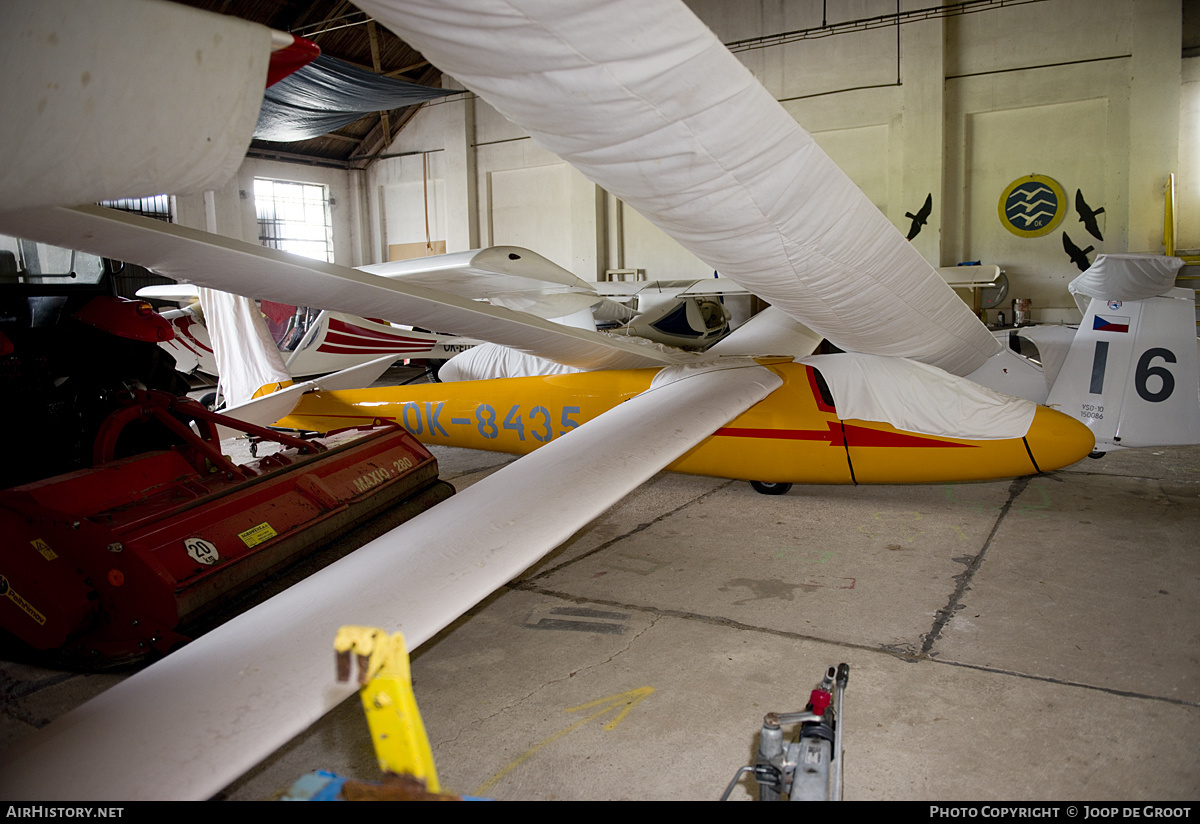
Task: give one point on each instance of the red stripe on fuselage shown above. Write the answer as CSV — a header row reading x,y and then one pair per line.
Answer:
x,y
182,344
374,350
833,435
336,325
856,435
362,340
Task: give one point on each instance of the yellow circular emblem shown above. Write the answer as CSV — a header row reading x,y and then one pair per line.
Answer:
x,y
1032,206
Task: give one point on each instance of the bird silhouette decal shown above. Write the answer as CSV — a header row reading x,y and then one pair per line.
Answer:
x,y
1087,215
921,217
1078,256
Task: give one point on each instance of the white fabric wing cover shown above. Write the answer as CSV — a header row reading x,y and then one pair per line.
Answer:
x,y
488,361
644,100
247,358
106,99
917,397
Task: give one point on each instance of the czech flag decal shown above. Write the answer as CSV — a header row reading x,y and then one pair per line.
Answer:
x,y
1112,323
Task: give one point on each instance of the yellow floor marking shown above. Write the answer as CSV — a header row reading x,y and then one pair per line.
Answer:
x,y
626,701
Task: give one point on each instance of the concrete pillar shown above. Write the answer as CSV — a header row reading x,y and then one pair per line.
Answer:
x,y
922,67
1153,117
462,198
589,221
360,221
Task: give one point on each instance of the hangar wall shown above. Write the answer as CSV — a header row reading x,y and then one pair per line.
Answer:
x,y
235,215
1092,93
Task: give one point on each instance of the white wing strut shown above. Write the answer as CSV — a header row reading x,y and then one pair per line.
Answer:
x,y
645,101
248,269
190,724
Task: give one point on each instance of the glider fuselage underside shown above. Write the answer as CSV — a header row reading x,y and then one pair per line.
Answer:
x,y
793,436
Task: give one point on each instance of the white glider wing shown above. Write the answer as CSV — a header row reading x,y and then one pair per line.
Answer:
x,y
187,726
248,269
482,273
75,100
509,276
690,287
645,101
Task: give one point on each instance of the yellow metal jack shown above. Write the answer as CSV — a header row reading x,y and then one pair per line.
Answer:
x,y
397,731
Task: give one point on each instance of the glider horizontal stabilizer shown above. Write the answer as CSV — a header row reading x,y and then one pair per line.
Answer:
x,y
266,409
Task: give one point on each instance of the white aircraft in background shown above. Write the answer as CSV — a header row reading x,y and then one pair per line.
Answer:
x,y
311,342
687,314
720,167
682,314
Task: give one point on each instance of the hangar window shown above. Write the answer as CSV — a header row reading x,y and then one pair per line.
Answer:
x,y
127,277
294,217
155,206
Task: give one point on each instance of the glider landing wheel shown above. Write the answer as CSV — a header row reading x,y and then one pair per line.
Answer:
x,y
209,400
770,489
1097,454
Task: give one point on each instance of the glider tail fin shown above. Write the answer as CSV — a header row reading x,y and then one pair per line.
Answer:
x,y
1132,373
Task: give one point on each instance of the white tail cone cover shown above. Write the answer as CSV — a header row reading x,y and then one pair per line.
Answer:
x,y
1125,277
644,100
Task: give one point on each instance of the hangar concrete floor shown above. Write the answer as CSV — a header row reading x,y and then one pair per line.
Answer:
x,y
1029,639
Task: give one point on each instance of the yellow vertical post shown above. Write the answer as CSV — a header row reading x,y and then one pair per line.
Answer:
x,y
1169,217
397,731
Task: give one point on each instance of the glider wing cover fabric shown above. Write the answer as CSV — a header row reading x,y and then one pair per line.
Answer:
x,y
106,99
247,358
186,254
488,361
645,101
187,726
917,397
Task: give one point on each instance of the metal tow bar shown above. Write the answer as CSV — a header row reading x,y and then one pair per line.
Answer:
x,y
809,768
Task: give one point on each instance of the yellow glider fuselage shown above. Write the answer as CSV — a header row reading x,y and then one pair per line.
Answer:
x,y
792,436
